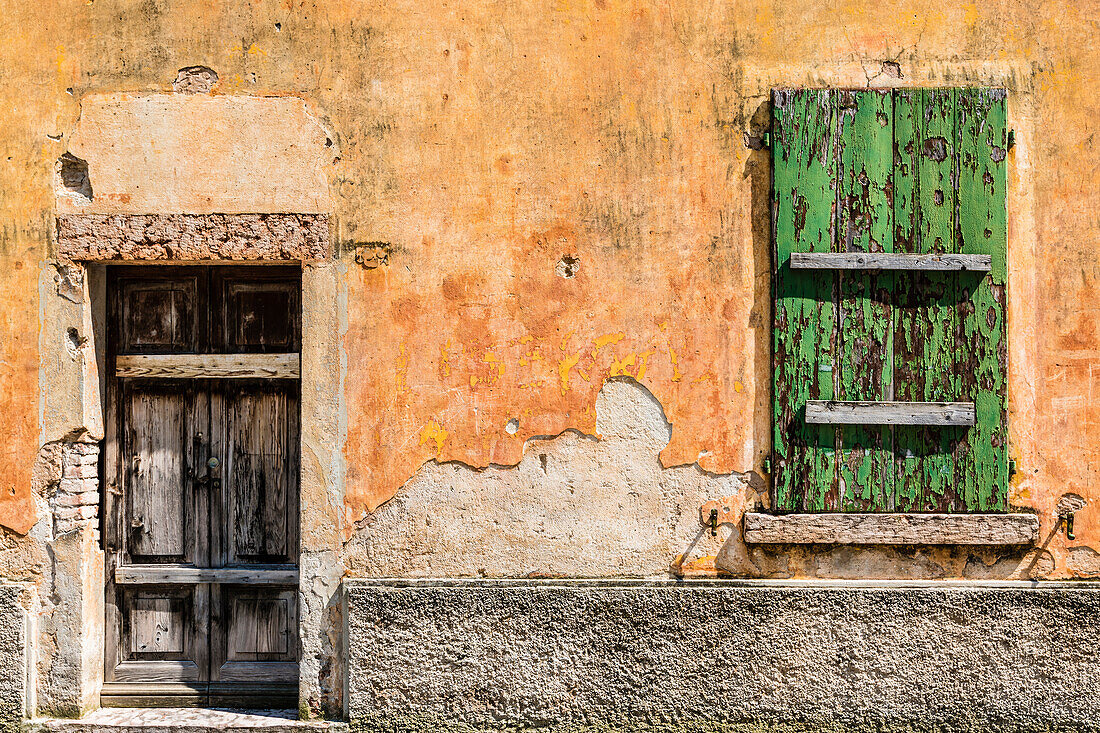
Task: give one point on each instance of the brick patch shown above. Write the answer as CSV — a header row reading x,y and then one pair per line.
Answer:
x,y
76,501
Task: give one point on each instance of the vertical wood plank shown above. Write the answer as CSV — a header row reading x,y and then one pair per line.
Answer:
x,y
982,473
864,350
925,320
804,191
258,480
157,484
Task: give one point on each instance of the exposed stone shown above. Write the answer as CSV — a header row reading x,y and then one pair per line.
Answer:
x,y
575,505
75,495
193,236
70,281
73,181
195,80
722,656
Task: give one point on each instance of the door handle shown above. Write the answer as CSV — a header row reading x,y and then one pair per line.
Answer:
x,y
214,473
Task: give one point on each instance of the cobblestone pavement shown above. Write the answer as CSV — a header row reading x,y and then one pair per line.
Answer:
x,y
188,720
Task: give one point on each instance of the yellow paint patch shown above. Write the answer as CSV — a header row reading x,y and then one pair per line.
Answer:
x,y
611,338
433,432
564,366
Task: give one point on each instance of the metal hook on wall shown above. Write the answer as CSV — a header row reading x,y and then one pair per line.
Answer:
x,y
1068,517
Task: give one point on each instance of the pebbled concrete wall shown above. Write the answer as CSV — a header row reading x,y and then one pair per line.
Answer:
x,y
13,658
722,656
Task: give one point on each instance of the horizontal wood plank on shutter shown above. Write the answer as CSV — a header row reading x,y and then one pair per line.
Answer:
x,y
891,529
165,574
835,412
208,366
889,261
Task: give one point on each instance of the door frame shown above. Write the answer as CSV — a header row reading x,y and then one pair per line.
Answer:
x,y
322,686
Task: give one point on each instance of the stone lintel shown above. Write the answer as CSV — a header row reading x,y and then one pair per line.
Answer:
x,y
891,529
193,237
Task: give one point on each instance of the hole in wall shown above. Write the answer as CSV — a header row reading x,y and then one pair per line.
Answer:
x,y
73,172
567,266
195,80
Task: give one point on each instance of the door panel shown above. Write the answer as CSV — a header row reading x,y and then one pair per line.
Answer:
x,y
258,634
258,313
164,431
261,470
159,315
164,636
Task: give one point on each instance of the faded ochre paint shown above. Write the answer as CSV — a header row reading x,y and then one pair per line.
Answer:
x,y
484,143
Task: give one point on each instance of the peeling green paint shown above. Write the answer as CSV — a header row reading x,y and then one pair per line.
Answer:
x,y
918,171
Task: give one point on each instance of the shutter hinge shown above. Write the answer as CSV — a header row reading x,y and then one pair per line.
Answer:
x,y
1011,139
767,465
767,138
1011,468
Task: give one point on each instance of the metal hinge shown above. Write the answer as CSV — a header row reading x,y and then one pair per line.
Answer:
x,y
1011,139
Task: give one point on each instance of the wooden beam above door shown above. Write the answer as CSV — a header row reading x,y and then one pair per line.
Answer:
x,y
208,366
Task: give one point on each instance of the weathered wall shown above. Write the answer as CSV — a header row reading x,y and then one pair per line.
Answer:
x,y
726,656
544,341
535,197
529,199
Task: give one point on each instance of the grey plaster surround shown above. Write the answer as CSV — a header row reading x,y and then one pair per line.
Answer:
x,y
723,656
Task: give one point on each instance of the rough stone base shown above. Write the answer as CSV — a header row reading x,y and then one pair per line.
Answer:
x,y
722,656
13,659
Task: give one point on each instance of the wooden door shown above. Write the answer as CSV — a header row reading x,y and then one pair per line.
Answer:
x,y
201,519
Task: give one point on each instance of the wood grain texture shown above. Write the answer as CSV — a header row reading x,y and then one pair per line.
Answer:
x,y
892,529
208,366
925,319
804,197
863,369
889,243
982,471
834,412
164,574
163,671
889,261
174,532
261,471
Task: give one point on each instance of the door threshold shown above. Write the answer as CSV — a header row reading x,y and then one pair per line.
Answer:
x,y
186,720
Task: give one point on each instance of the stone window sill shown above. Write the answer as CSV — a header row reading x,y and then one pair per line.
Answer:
x,y
891,529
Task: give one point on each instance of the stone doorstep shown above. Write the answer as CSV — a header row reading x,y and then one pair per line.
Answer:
x,y
185,720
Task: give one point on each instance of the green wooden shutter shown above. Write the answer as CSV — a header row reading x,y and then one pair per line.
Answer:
x,y
915,171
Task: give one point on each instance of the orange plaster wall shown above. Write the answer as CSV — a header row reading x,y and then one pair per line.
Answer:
x,y
483,141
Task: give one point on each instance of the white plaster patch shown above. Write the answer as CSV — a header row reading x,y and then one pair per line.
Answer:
x,y
575,505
